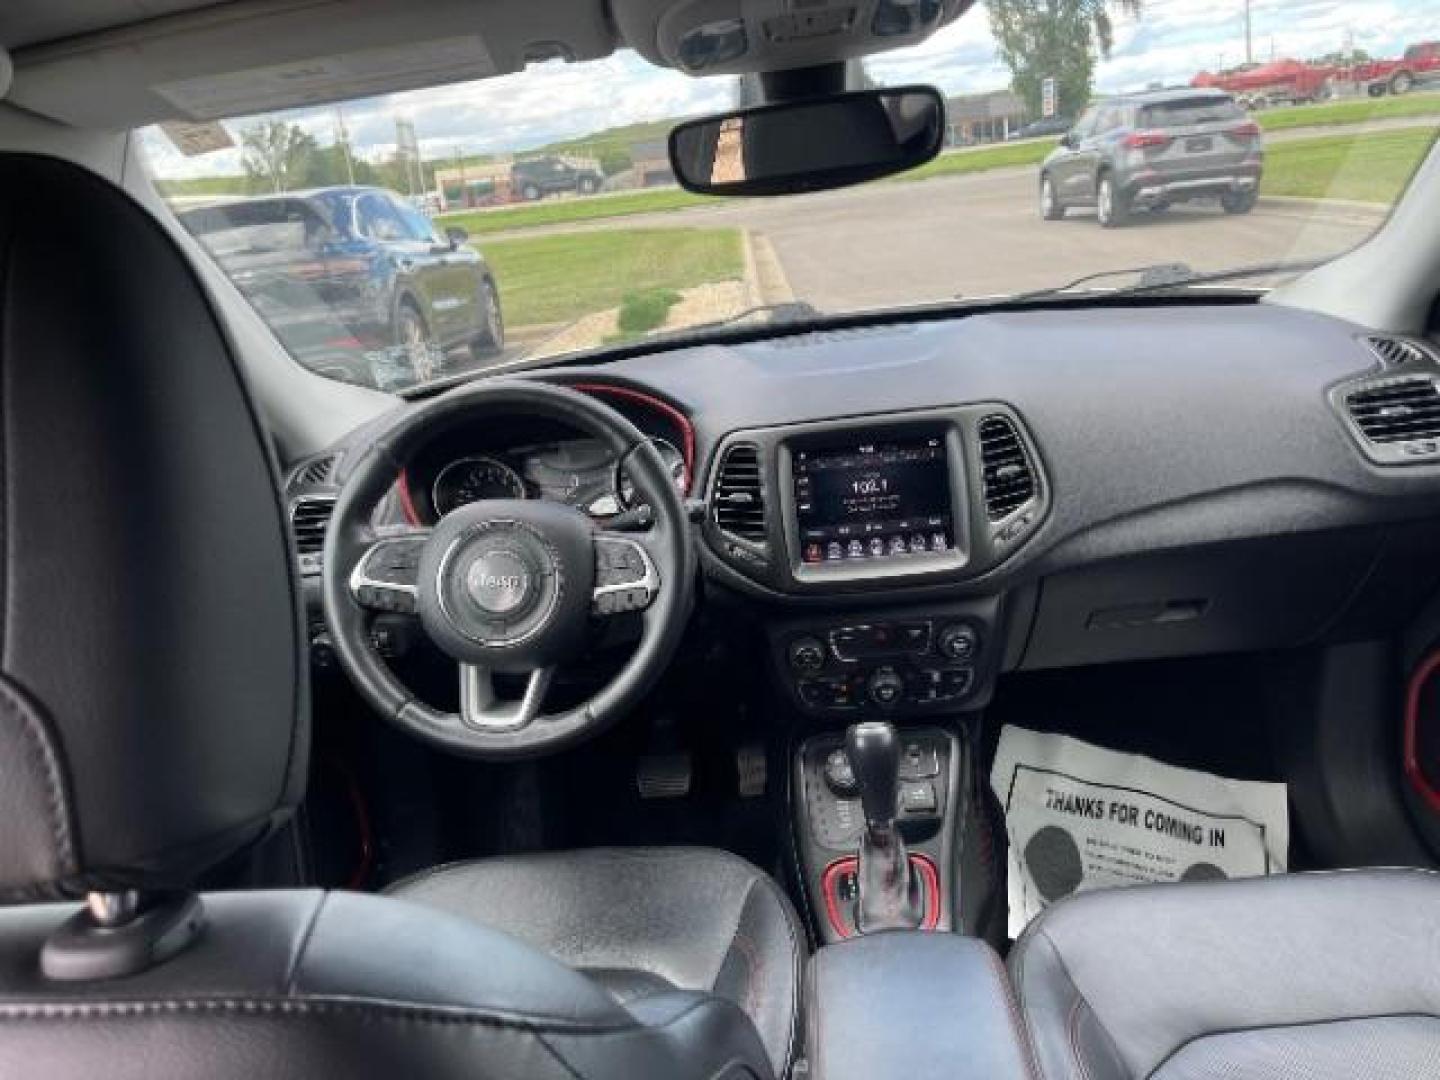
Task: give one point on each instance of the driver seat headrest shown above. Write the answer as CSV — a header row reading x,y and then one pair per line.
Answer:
x,y
152,682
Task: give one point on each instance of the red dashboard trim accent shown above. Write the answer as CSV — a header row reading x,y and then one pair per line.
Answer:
x,y
674,415
1414,773
407,499
829,886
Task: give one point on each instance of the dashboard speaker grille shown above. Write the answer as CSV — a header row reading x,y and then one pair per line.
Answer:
x,y
1399,411
309,518
738,501
1009,478
1394,351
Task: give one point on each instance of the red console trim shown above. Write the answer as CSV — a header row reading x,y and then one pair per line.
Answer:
x,y
830,887
1414,771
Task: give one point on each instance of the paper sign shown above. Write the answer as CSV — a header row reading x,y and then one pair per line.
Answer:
x,y
1079,817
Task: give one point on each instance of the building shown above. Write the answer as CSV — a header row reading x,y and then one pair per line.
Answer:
x,y
982,118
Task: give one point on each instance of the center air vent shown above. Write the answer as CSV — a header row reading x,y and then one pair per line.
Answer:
x,y
1398,411
738,502
309,519
1009,478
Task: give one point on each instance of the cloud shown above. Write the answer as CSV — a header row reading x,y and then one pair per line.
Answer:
x,y
1168,43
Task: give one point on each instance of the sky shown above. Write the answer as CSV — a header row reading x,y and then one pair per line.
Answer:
x,y
1168,43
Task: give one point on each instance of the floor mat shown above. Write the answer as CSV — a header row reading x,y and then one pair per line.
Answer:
x,y
1079,817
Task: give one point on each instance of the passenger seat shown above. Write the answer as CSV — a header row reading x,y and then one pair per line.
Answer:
x,y
1331,976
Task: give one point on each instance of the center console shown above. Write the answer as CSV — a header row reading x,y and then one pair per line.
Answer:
x,y
909,1005
830,821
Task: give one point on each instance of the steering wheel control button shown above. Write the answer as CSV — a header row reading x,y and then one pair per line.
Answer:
x,y
501,582
625,578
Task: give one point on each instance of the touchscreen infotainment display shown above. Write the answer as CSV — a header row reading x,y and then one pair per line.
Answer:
x,y
873,499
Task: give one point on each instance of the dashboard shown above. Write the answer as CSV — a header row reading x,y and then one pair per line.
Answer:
x,y
910,509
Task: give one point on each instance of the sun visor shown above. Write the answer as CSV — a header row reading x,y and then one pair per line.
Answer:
x,y
7,71
719,37
237,59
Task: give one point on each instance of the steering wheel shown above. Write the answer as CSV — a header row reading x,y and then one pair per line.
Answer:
x,y
506,585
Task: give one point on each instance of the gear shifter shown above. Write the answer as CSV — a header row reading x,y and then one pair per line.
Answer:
x,y
888,892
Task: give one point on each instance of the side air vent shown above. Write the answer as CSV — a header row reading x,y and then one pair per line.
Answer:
x,y
317,471
1009,478
1399,411
738,501
309,519
1394,351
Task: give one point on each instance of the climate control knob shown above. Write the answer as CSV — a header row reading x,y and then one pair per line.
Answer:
x,y
807,654
958,641
886,687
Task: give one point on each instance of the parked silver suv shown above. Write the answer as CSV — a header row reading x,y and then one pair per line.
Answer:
x,y
1148,151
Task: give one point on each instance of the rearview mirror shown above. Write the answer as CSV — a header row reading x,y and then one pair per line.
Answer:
x,y
456,235
1069,141
809,145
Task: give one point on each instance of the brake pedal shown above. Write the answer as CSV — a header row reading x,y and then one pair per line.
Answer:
x,y
664,776
752,770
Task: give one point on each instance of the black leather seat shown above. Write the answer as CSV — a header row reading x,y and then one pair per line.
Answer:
x,y
642,921
1323,976
153,723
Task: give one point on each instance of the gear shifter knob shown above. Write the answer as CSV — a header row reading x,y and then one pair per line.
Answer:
x,y
874,752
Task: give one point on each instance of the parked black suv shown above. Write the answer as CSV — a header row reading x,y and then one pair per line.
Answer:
x,y
539,177
356,280
1148,151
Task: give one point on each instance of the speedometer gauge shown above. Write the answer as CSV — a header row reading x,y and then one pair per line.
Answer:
x,y
674,463
472,479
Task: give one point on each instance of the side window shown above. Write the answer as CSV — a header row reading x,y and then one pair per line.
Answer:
x,y
417,225
1085,126
379,219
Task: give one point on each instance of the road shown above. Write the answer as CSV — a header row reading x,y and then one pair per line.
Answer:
x,y
979,234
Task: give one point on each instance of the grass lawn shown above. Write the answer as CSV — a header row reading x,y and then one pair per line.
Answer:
x,y
1350,112
564,211
1001,156
1368,168
552,279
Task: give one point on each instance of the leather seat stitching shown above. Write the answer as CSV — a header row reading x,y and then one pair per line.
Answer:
x,y
1017,1025
47,754
1072,1026
286,1007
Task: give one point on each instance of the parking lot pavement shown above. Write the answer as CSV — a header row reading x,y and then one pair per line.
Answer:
x,y
980,235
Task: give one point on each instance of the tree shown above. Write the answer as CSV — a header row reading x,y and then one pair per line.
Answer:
x,y
1059,39
275,155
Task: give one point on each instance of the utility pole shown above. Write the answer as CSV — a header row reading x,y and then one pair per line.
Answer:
x,y
1249,54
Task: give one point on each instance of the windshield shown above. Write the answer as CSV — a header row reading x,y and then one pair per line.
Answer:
x,y
398,240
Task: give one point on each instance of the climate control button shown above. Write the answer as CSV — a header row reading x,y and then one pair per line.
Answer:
x,y
886,687
958,641
807,654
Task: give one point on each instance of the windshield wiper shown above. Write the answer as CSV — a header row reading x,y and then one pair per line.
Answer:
x,y
1160,276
